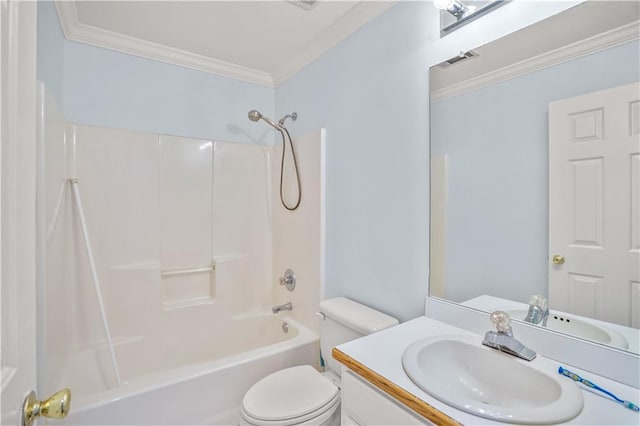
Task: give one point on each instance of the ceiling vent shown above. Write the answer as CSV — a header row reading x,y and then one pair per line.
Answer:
x,y
305,4
463,56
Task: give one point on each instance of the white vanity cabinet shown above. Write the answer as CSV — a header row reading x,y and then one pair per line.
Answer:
x,y
363,404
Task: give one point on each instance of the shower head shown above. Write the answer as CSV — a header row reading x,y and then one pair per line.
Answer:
x,y
256,115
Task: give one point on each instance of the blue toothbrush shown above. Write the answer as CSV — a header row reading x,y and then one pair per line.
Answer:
x,y
574,376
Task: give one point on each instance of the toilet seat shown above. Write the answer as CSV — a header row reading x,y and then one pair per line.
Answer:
x,y
289,397
320,417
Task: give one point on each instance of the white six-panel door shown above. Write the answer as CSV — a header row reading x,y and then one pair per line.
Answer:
x,y
594,205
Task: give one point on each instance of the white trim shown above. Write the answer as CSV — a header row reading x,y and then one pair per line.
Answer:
x,y
68,16
82,33
358,16
17,203
323,213
612,38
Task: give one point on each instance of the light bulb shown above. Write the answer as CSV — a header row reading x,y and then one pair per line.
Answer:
x,y
443,4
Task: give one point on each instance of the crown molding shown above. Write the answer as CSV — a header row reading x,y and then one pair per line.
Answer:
x,y
608,39
360,15
67,15
74,30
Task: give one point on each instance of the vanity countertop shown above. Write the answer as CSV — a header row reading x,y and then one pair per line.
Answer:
x,y
378,359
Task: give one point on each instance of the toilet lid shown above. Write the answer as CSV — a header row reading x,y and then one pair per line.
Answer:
x,y
289,393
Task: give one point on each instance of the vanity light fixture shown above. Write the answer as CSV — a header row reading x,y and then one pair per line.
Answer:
x,y
456,13
454,7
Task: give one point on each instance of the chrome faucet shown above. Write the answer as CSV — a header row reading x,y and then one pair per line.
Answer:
x,y
538,310
286,307
503,339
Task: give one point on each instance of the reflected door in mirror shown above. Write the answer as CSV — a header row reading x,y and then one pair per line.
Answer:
x,y
594,196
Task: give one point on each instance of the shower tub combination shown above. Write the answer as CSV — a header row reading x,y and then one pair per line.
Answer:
x,y
159,254
205,392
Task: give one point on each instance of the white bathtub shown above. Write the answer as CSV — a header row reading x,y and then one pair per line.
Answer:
x,y
204,392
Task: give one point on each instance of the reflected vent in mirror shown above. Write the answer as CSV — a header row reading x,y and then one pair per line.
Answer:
x,y
463,56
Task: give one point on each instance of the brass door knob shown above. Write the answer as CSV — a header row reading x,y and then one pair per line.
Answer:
x,y
55,407
558,260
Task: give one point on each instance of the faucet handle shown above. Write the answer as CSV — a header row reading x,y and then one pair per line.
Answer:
x,y
288,280
539,301
502,321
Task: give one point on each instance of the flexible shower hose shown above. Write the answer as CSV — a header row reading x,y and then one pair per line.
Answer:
x,y
282,131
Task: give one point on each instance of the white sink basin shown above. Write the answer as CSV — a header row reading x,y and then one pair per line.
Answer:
x,y
461,372
577,327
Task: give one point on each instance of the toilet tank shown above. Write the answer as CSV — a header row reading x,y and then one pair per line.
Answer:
x,y
346,320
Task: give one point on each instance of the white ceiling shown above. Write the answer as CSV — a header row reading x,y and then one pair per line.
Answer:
x,y
260,41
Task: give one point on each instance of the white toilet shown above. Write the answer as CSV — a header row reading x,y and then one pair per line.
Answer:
x,y
301,395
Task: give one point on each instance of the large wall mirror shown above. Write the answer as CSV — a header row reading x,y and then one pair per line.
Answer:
x,y
535,175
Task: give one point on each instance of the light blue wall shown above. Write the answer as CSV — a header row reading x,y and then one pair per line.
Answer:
x,y
100,87
497,142
111,89
371,93
50,59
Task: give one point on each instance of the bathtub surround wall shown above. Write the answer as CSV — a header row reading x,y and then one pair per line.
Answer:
x,y
182,233
186,230
298,237
151,209
242,227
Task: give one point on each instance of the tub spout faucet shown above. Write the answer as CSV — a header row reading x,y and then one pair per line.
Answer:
x,y
285,307
538,310
503,339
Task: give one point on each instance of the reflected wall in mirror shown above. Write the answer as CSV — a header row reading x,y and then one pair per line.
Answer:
x,y
535,174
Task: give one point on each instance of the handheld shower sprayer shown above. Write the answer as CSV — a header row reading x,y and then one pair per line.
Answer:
x,y
255,115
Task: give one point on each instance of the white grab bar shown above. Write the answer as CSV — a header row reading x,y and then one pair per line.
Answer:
x,y
171,272
96,284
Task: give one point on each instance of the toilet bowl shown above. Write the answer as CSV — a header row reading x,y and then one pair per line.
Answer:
x,y
302,395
